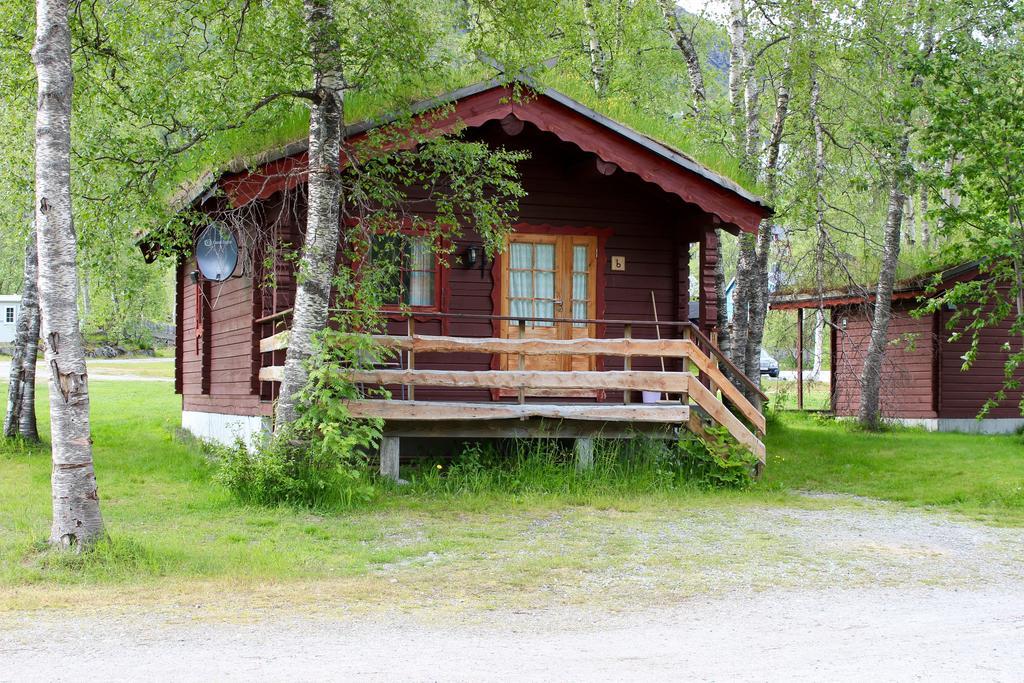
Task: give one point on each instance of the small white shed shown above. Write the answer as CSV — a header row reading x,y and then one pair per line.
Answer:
x,y
10,309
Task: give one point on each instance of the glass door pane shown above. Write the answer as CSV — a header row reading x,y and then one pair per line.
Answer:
x,y
532,281
580,283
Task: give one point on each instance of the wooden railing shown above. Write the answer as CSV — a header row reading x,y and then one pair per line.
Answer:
x,y
685,385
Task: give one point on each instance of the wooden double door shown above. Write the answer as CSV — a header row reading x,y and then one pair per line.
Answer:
x,y
551,281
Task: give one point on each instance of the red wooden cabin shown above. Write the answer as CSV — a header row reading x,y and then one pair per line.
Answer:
x,y
556,334
923,382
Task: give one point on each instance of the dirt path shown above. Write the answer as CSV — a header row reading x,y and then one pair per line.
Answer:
x,y
841,590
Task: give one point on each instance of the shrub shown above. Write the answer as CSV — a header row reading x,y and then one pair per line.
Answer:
x,y
719,462
294,471
320,460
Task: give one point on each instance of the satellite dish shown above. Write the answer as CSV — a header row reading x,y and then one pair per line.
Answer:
x,y
216,252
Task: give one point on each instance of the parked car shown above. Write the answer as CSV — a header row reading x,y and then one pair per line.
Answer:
x,y
769,366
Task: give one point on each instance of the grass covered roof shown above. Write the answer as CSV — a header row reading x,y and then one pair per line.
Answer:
x,y
288,129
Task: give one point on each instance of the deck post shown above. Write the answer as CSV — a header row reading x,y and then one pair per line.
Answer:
x,y
714,361
685,396
584,448
389,450
410,390
522,359
799,359
627,361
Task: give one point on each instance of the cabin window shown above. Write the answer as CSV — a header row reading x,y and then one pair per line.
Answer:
x,y
9,315
417,268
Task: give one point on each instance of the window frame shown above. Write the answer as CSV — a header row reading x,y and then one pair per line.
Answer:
x,y
12,313
400,307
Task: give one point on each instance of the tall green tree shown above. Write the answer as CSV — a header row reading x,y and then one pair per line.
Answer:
x,y
974,139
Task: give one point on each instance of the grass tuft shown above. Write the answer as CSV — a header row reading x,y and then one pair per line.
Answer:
x,y
531,468
114,559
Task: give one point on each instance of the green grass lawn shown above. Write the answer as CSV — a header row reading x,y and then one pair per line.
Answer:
x,y
978,475
782,394
158,367
169,522
161,367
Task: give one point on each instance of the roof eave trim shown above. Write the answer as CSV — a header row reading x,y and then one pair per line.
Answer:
x,y
656,147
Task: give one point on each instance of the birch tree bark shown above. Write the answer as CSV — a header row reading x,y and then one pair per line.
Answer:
x,y
21,389
819,211
819,329
910,218
722,318
758,309
318,262
727,337
684,43
77,522
871,375
596,53
742,295
922,217
738,63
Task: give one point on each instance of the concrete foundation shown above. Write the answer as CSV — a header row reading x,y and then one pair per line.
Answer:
x,y
584,454
390,449
225,429
963,425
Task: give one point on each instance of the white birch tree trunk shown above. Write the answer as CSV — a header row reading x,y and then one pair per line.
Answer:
x,y
27,421
76,509
737,72
759,299
598,77
871,375
910,218
922,217
318,262
21,389
819,329
722,319
684,43
729,338
742,295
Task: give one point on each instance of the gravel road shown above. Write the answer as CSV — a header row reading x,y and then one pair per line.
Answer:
x,y
875,634
854,591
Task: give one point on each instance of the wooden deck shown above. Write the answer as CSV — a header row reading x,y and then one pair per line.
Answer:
x,y
694,399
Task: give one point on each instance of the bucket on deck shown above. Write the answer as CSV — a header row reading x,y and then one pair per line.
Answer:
x,y
651,396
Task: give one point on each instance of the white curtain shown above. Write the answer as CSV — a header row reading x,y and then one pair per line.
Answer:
x,y
420,285
580,290
520,294
532,281
544,283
